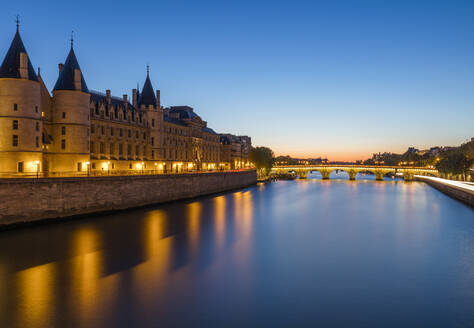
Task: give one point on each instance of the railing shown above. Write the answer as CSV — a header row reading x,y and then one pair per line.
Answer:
x,y
105,173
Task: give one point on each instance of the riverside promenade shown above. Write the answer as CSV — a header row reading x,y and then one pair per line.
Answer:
x,y
460,190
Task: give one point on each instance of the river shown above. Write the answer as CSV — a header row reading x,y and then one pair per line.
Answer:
x,y
300,253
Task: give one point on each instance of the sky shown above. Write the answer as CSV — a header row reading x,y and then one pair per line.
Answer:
x,y
337,79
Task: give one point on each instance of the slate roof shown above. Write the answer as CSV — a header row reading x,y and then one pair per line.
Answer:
x,y
183,112
11,64
147,96
173,120
97,97
66,77
208,130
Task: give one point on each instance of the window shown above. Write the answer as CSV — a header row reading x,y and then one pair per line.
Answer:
x,y
102,130
144,135
20,167
15,141
120,149
37,142
101,147
64,114
92,128
121,132
152,141
137,150
63,130
130,166
36,109
79,167
136,134
15,108
111,149
63,144
129,149
37,127
153,122
15,125
152,154
112,132
93,165
129,133
92,146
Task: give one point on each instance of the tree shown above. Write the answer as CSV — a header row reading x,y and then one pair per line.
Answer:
x,y
262,158
454,163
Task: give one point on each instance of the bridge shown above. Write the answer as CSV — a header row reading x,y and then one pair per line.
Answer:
x,y
379,171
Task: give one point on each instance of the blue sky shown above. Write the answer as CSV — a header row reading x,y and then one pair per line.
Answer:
x,y
341,79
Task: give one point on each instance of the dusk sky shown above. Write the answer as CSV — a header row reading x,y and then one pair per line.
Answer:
x,y
337,79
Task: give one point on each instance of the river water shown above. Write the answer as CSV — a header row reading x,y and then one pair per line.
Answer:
x,y
300,253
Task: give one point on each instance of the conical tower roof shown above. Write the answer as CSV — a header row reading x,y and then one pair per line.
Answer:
x,y
66,77
147,96
11,64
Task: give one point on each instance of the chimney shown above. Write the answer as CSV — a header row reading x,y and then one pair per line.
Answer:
x,y
134,98
23,65
107,93
60,67
158,101
125,98
77,79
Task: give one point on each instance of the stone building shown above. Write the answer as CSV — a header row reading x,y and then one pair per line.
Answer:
x,y
81,131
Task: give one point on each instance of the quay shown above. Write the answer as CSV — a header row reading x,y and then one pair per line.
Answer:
x,y
29,200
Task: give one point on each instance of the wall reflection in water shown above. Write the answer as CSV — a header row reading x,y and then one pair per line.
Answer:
x,y
243,256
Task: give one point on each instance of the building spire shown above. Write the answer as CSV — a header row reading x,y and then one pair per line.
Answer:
x,y
147,69
72,38
17,23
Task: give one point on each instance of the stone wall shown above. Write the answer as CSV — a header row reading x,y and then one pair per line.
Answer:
x,y
460,194
28,200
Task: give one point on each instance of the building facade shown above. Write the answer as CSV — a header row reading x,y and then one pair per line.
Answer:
x,y
78,130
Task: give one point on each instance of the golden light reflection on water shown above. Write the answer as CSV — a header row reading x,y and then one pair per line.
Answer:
x,y
194,212
149,277
220,204
243,214
86,270
36,296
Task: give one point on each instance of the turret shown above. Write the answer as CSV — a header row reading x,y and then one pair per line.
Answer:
x,y
71,118
20,112
148,102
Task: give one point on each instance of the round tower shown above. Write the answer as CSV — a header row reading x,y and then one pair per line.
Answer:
x,y
150,103
20,113
71,119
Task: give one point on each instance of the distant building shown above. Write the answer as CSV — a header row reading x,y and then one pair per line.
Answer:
x,y
80,130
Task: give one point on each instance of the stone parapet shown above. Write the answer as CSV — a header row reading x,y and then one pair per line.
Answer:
x,y
29,200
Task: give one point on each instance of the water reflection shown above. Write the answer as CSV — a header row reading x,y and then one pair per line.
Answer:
x,y
310,247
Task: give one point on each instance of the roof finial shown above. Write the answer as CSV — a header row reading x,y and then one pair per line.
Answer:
x,y
147,69
72,38
17,22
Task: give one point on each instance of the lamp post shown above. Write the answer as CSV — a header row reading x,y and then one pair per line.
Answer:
x,y
37,169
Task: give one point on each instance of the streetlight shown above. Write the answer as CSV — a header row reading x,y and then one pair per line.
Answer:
x,y
37,169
